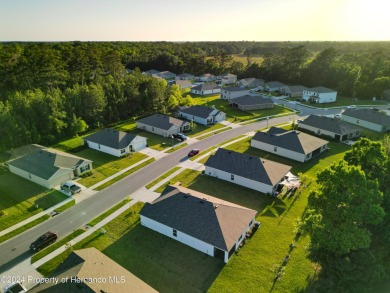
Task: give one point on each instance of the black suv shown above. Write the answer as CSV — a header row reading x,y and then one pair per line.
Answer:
x,y
43,241
180,136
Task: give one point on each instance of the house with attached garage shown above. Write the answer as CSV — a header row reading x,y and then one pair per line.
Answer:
x,y
251,82
207,77
319,95
246,170
162,125
329,126
167,75
274,86
46,166
293,144
206,89
211,225
185,76
115,142
247,103
293,91
233,92
227,78
367,118
202,114
182,84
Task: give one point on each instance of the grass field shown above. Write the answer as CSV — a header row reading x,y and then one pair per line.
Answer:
x,y
244,60
19,197
162,177
105,165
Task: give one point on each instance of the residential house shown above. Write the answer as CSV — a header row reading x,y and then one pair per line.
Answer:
x,y
233,92
367,118
182,84
251,82
207,77
293,144
274,86
162,125
332,127
211,225
89,270
293,91
203,115
185,76
246,103
167,75
246,170
114,142
319,95
151,72
46,166
206,89
227,78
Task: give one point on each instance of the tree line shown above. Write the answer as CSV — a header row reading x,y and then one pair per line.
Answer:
x,y
52,90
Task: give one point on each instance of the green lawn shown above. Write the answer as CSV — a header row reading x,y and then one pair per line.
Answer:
x,y
105,165
162,177
200,129
342,101
19,197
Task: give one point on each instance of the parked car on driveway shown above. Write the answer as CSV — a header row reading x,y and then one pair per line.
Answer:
x,y
70,187
351,107
179,136
193,152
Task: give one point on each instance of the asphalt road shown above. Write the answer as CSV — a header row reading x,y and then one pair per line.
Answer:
x,y
16,249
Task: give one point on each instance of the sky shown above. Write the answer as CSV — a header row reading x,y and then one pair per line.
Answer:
x,y
200,20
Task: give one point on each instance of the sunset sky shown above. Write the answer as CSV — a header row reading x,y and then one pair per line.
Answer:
x,y
201,20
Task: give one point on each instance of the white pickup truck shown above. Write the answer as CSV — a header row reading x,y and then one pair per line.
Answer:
x,y
70,187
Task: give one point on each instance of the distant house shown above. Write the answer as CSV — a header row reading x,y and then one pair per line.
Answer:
x,y
295,145
203,115
92,271
227,78
114,142
151,72
206,89
246,103
46,166
162,125
246,170
167,75
213,226
274,86
207,77
185,76
293,91
319,95
386,94
183,84
367,118
251,83
233,92
332,127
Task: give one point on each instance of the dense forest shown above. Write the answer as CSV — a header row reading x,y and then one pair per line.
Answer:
x,y
52,90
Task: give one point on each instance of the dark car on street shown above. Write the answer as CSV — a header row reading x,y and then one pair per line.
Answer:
x,y
193,152
43,241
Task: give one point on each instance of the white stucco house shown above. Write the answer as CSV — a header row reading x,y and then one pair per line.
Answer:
x,y
319,95
274,86
46,166
247,103
162,125
213,226
202,114
233,92
251,82
227,78
295,145
332,127
367,118
246,170
206,89
114,142
207,77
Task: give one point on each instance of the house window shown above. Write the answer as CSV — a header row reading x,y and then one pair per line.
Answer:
x,y
123,151
84,168
29,175
251,222
99,145
232,177
357,121
275,149
308,156
174,232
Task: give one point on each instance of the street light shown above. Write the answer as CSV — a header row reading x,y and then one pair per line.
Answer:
x,y
267,121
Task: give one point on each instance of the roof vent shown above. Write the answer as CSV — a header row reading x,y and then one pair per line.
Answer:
x,y
216,206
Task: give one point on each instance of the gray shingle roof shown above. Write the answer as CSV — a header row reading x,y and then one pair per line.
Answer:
x,y
296,88
369,115
152,71
206,86
166,74
199,215
234,89
247,166
293,140
251,100
47,162
321,89
329,124
162,121
199,111
273,84
251,81
183,83
227,75
112,138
